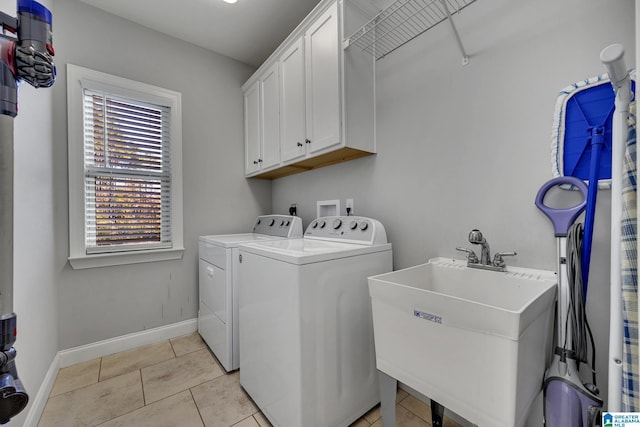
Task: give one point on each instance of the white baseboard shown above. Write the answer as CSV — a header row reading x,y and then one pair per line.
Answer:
x,y
38,403
103,348
98,349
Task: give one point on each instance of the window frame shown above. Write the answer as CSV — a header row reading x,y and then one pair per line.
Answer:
x,y
78,79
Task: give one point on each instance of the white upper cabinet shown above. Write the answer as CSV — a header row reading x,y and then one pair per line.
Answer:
x,y
252,135
293,142
270,91
262,122
325,108
322,66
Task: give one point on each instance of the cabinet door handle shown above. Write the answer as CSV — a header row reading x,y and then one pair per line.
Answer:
x,y
255,162
308,141
299,144
259,160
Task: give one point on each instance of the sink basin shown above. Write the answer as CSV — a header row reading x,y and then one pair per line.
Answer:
x,y
475,341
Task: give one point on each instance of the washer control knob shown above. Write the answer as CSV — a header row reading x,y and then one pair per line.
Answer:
x,y
337,223
364,225
258,222
287,223
323,223
282,223
353,225
273,221
315,224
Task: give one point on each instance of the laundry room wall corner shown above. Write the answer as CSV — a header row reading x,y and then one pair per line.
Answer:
x,y
463,147
35,285
106,302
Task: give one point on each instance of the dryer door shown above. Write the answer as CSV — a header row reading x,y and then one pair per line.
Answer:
x,y
212,316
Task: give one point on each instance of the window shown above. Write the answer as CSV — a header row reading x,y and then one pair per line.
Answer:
x,y
125,178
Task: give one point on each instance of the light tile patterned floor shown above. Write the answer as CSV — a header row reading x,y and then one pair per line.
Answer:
x,y
175,383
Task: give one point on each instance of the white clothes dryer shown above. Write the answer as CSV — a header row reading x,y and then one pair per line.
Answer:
x,y
306,335
218,283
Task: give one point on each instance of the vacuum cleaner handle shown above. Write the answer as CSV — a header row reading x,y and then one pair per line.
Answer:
x,y
562,218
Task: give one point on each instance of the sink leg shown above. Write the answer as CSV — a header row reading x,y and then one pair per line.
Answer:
x,y
388,389
437,413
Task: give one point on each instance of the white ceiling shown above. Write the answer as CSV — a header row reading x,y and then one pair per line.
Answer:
x,y
248,31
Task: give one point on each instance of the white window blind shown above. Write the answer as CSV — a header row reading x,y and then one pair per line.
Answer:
x,y
127,168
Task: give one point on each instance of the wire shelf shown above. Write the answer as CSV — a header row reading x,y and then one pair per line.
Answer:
x,y
403,21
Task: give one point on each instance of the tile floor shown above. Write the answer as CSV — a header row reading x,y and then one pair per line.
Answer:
x,y
175,383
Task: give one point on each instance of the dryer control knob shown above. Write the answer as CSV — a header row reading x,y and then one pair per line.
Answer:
x,y
337,223
323,223
315,224
282,223
353,225
273,221
364,226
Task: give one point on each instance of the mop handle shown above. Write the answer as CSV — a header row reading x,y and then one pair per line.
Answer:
x,y
597,141
562,218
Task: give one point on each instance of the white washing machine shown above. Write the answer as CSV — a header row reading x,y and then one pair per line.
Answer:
x,y
306,335
218,283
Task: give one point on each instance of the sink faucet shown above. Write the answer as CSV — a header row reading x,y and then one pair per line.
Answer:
x,y
484,262
476,237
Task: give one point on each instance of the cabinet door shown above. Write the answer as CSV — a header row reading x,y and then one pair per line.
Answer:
x,y
322,66
252,128
270,94
292,107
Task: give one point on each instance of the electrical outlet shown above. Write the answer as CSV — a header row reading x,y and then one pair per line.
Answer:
x,y
349,205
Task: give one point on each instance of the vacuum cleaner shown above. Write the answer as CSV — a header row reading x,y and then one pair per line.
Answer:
x,y
568,401
26,54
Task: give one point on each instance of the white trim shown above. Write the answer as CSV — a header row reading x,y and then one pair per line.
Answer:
x,y
40,401
103,348
98,349
122,258
77,79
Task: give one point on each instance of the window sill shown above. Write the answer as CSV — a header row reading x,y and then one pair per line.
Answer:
x,y
123,258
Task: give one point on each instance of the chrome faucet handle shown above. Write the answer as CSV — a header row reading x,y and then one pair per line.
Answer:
x,y
472,258
497,258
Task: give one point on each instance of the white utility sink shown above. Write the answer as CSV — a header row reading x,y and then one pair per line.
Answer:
x,y
475,341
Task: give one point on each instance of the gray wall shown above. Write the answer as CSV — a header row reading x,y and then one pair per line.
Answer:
x,y
462,147
35,287
101,303
458,147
